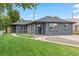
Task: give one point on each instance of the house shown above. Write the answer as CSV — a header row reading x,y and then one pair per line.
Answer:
x,y
76,25
44,26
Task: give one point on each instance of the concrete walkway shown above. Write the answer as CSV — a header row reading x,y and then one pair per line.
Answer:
x,y
62,40
72,40
54,39
70,37
66,37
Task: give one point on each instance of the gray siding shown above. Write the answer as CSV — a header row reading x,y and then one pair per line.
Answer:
x,y
60,30
32,29
21,29
17,29
29,29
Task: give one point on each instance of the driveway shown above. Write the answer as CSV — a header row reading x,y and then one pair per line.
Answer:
x,y
67,39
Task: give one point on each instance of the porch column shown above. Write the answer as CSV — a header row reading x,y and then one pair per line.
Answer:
x,y
42,29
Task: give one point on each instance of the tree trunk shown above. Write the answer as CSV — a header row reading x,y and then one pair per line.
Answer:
x,y
6,30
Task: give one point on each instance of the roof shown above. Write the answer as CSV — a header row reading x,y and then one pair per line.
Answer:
x,y
44,19
75,19
52,19
22,22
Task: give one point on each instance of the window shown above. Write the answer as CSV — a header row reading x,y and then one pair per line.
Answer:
x,y
66,26
39,25
52,25
20,27
76,27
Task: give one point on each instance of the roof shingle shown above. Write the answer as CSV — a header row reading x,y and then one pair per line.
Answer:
x,y
44,19
22,22
52,19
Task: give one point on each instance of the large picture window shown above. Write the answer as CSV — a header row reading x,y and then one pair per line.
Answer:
x,y
52,25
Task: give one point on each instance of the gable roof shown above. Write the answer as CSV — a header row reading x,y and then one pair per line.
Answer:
x,y
44,19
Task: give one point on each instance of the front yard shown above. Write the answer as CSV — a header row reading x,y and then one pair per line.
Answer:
x,y
13,46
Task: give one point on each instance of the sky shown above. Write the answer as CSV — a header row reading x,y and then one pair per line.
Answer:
x,y
62,10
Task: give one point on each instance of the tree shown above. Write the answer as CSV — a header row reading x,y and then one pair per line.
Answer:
x,y
1,24
2,8
5,22
9,6
14,15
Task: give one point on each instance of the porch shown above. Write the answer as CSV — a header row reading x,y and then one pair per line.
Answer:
x,y
19,29
40,28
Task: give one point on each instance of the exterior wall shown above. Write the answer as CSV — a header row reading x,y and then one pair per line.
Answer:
x,y
32,29
29,29
76,25
17,29
76,28
13,29
60,30
35,28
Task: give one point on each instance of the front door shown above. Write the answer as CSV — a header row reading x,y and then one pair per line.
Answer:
x,y
39,29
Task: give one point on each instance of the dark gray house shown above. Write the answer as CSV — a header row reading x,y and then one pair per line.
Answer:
x,y
44,26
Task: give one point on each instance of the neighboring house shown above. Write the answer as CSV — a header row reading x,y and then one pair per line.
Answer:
x,y
76,25
44,26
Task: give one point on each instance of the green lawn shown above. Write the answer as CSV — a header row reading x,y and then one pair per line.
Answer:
x,y
25,35
10,45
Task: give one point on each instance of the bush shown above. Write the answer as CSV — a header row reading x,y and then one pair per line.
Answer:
x,y
76,33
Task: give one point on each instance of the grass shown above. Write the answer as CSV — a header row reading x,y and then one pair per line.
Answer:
x,y
25,35
13,46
